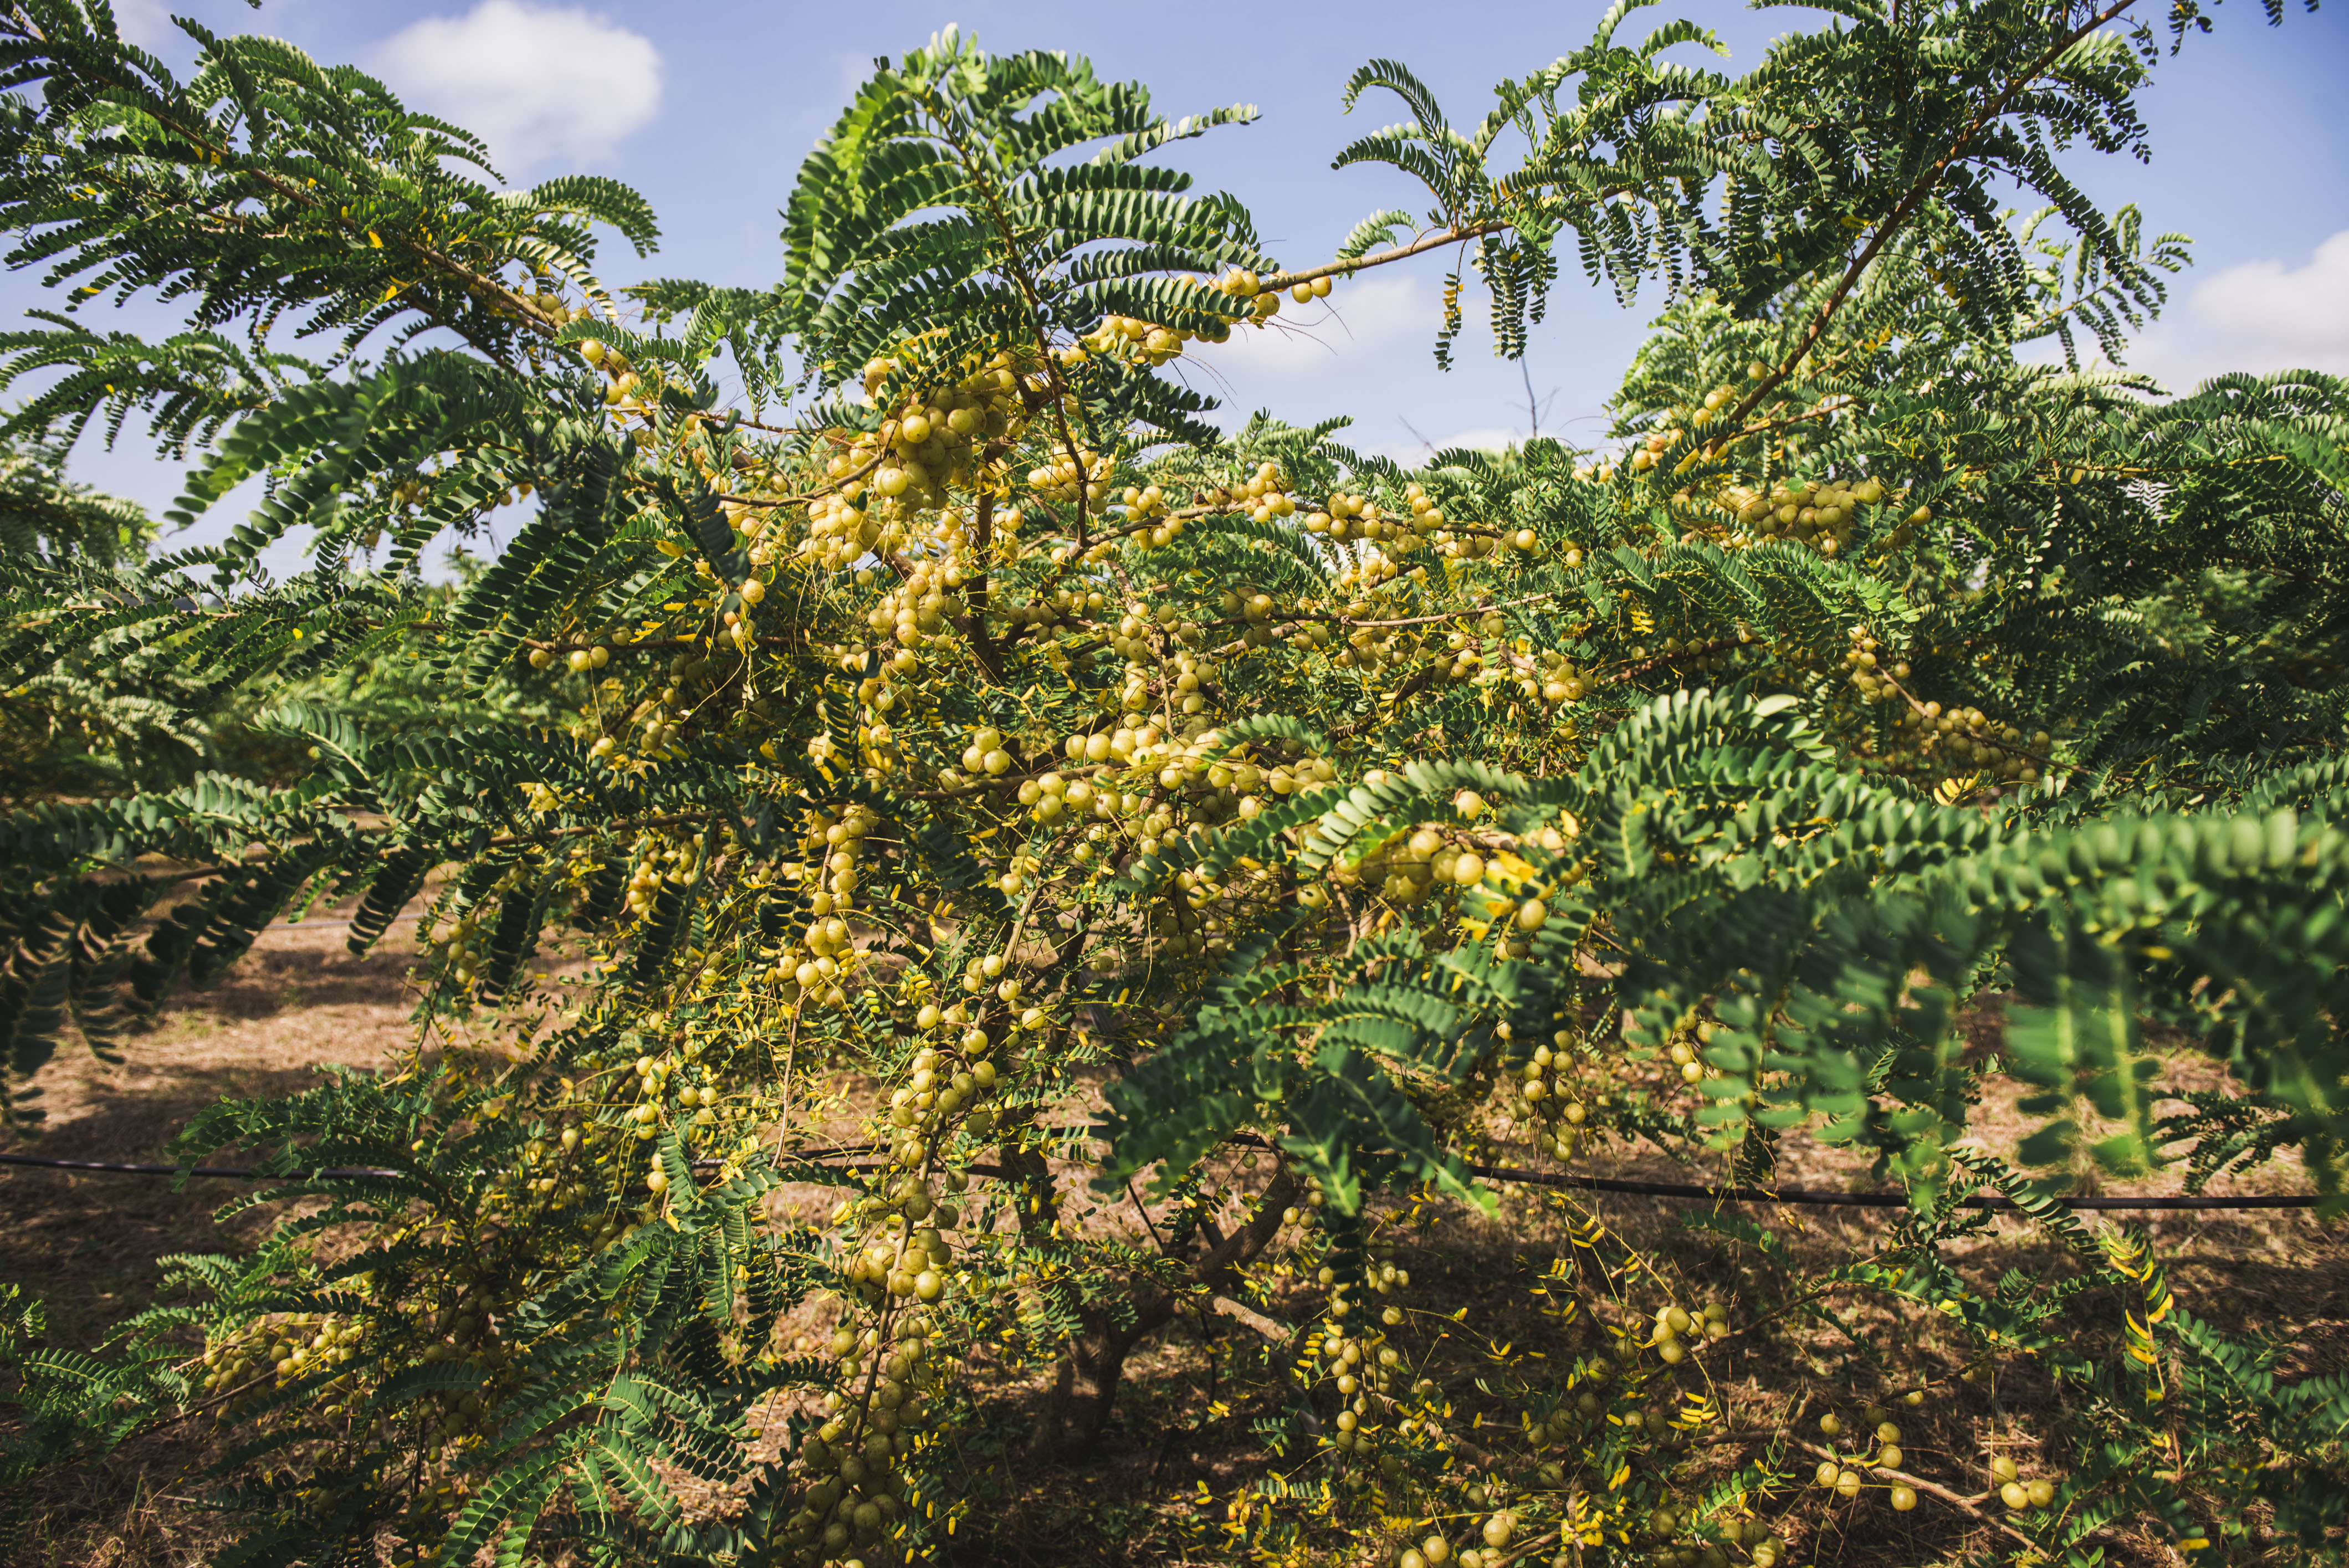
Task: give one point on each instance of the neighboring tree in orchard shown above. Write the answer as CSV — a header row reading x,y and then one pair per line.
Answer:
x,y
101,718
958,713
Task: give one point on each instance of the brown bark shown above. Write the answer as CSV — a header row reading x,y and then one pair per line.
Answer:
x,y
1085,1392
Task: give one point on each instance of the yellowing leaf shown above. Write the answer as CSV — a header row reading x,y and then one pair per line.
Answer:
x,y
1949,791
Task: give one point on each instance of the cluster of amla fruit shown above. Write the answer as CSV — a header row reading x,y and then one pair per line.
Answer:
x,y
1762,1548
579,661
551,305
905,618
1409,865
756,524
1138,633
1350,516
1844,1478
1874,674
659,718
1532,1093
552,1149
928,441
1427,515
1079,472
818,964
1560,680
1965,740
1263,496
1959,739
878,482
943,1085
460,946
1818,513
1675,1329
623,387
1141,781
856,1490
286,1345
1367,1373
1497,1531
1426,520
691,1095
1650,451
1686,1052
900,1250
660,863
1129,339
1481,654
2018,1494
1264,303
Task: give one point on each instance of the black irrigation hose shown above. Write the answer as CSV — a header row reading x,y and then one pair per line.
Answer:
x,y
1863,1199
1796,1195
237,1172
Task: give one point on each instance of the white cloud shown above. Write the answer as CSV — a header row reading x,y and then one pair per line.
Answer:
x,y
2257,316
1483,439
1317,339
2261,300
536,82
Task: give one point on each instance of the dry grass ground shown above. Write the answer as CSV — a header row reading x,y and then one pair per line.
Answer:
x,y
299,1002
87,1246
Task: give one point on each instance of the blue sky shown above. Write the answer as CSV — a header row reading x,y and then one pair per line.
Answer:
x,y
708,106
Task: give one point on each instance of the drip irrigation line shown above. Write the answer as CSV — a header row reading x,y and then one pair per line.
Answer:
x,y
1683,1190
1809,1195
234,1172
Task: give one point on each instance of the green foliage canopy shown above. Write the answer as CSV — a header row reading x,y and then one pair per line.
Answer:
x,y
986,722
